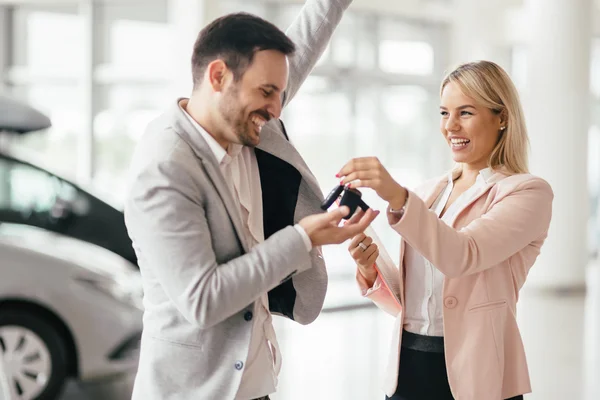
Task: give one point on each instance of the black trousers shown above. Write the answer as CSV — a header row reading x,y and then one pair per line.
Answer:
x,y
423,376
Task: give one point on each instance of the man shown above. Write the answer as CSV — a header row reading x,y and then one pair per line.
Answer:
x,y
224,214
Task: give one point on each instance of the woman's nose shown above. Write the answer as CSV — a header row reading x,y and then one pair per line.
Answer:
x,y
452,124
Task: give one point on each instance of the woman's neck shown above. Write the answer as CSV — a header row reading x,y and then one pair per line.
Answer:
x,y
469,173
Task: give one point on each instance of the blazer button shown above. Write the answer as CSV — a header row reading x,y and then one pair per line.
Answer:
x,y
239,365
248,316
450,302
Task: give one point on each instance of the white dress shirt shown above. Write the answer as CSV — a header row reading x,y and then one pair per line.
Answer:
x,y
423,282
240,169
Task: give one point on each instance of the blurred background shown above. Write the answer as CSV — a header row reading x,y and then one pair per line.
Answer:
x,y
100,70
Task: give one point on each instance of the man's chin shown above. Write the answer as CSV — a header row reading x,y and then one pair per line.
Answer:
x,y
250,140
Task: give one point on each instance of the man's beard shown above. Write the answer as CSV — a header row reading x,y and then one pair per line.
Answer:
x,y
233,113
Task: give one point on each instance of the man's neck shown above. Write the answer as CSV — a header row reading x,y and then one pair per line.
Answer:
x,y
200,112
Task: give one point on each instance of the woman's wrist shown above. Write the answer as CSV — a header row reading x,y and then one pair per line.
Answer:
x,y
369,278
399,200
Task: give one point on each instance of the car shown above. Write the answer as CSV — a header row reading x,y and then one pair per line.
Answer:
x,y
4,388
32,194
68,310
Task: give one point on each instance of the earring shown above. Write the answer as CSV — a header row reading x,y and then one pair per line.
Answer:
x,y
502,128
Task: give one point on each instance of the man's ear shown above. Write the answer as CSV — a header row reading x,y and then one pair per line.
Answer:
x,y
217,72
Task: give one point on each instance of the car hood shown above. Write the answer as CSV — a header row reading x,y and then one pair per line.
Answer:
x,y
94,259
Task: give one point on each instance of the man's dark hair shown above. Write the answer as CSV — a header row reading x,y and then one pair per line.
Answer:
x,y
235,38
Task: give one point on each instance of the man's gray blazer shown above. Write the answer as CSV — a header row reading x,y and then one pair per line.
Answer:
x,y
200,277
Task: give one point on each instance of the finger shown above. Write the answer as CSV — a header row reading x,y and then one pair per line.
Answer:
x,y
365,221
365,183
359,174
356,240
356,253
373,257
353,165
367,241
349,231
364,245
356,217
368,252
361,255
334,217
364,258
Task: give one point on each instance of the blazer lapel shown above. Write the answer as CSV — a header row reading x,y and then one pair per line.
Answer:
x,y
184,128
489,183
273,142
430,195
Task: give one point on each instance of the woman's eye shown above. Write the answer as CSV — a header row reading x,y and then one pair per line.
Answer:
x,y
466,113
443,113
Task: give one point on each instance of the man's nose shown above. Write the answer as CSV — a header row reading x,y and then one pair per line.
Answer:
x,y
274,107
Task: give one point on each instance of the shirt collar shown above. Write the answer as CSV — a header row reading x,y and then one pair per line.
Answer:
x,y
485,174
222,156
483,177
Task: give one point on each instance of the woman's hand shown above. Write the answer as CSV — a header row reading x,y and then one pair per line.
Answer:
x,y
365,253
369,172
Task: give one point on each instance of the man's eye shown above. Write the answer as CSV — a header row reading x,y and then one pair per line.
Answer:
x,y
266,93
443,113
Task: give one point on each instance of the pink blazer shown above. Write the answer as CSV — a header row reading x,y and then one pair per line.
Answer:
x,y
485,255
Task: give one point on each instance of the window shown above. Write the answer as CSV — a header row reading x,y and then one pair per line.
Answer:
x,y
58,145
519,66
406,57
54,44
138,50
48,58
595,68
27,189
120,123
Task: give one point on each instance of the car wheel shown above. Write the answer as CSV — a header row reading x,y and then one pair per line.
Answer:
x,y
33,354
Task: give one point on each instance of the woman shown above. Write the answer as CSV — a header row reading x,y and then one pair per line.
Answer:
x,y
468,242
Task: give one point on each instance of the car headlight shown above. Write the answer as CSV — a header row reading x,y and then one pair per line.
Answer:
x,y
119,291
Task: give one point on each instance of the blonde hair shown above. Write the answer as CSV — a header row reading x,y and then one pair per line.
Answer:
x,y
490,86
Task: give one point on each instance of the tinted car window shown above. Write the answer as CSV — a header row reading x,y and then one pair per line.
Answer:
x,y
26,190
33,196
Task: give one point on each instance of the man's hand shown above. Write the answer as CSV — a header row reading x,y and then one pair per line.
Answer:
x,y
323,228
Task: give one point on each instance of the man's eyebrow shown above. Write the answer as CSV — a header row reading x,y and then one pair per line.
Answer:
x,y
271,86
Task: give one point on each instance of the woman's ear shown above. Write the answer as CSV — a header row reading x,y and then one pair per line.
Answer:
x,y
503,117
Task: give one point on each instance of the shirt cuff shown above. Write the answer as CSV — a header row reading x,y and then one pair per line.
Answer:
x,y
305,238
394,216
365,290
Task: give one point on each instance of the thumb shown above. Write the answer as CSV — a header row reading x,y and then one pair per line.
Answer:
x,y
336,215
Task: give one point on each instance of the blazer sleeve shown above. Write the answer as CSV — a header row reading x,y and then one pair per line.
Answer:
x,y
167,222
510,224
380,294
311,31
301,298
